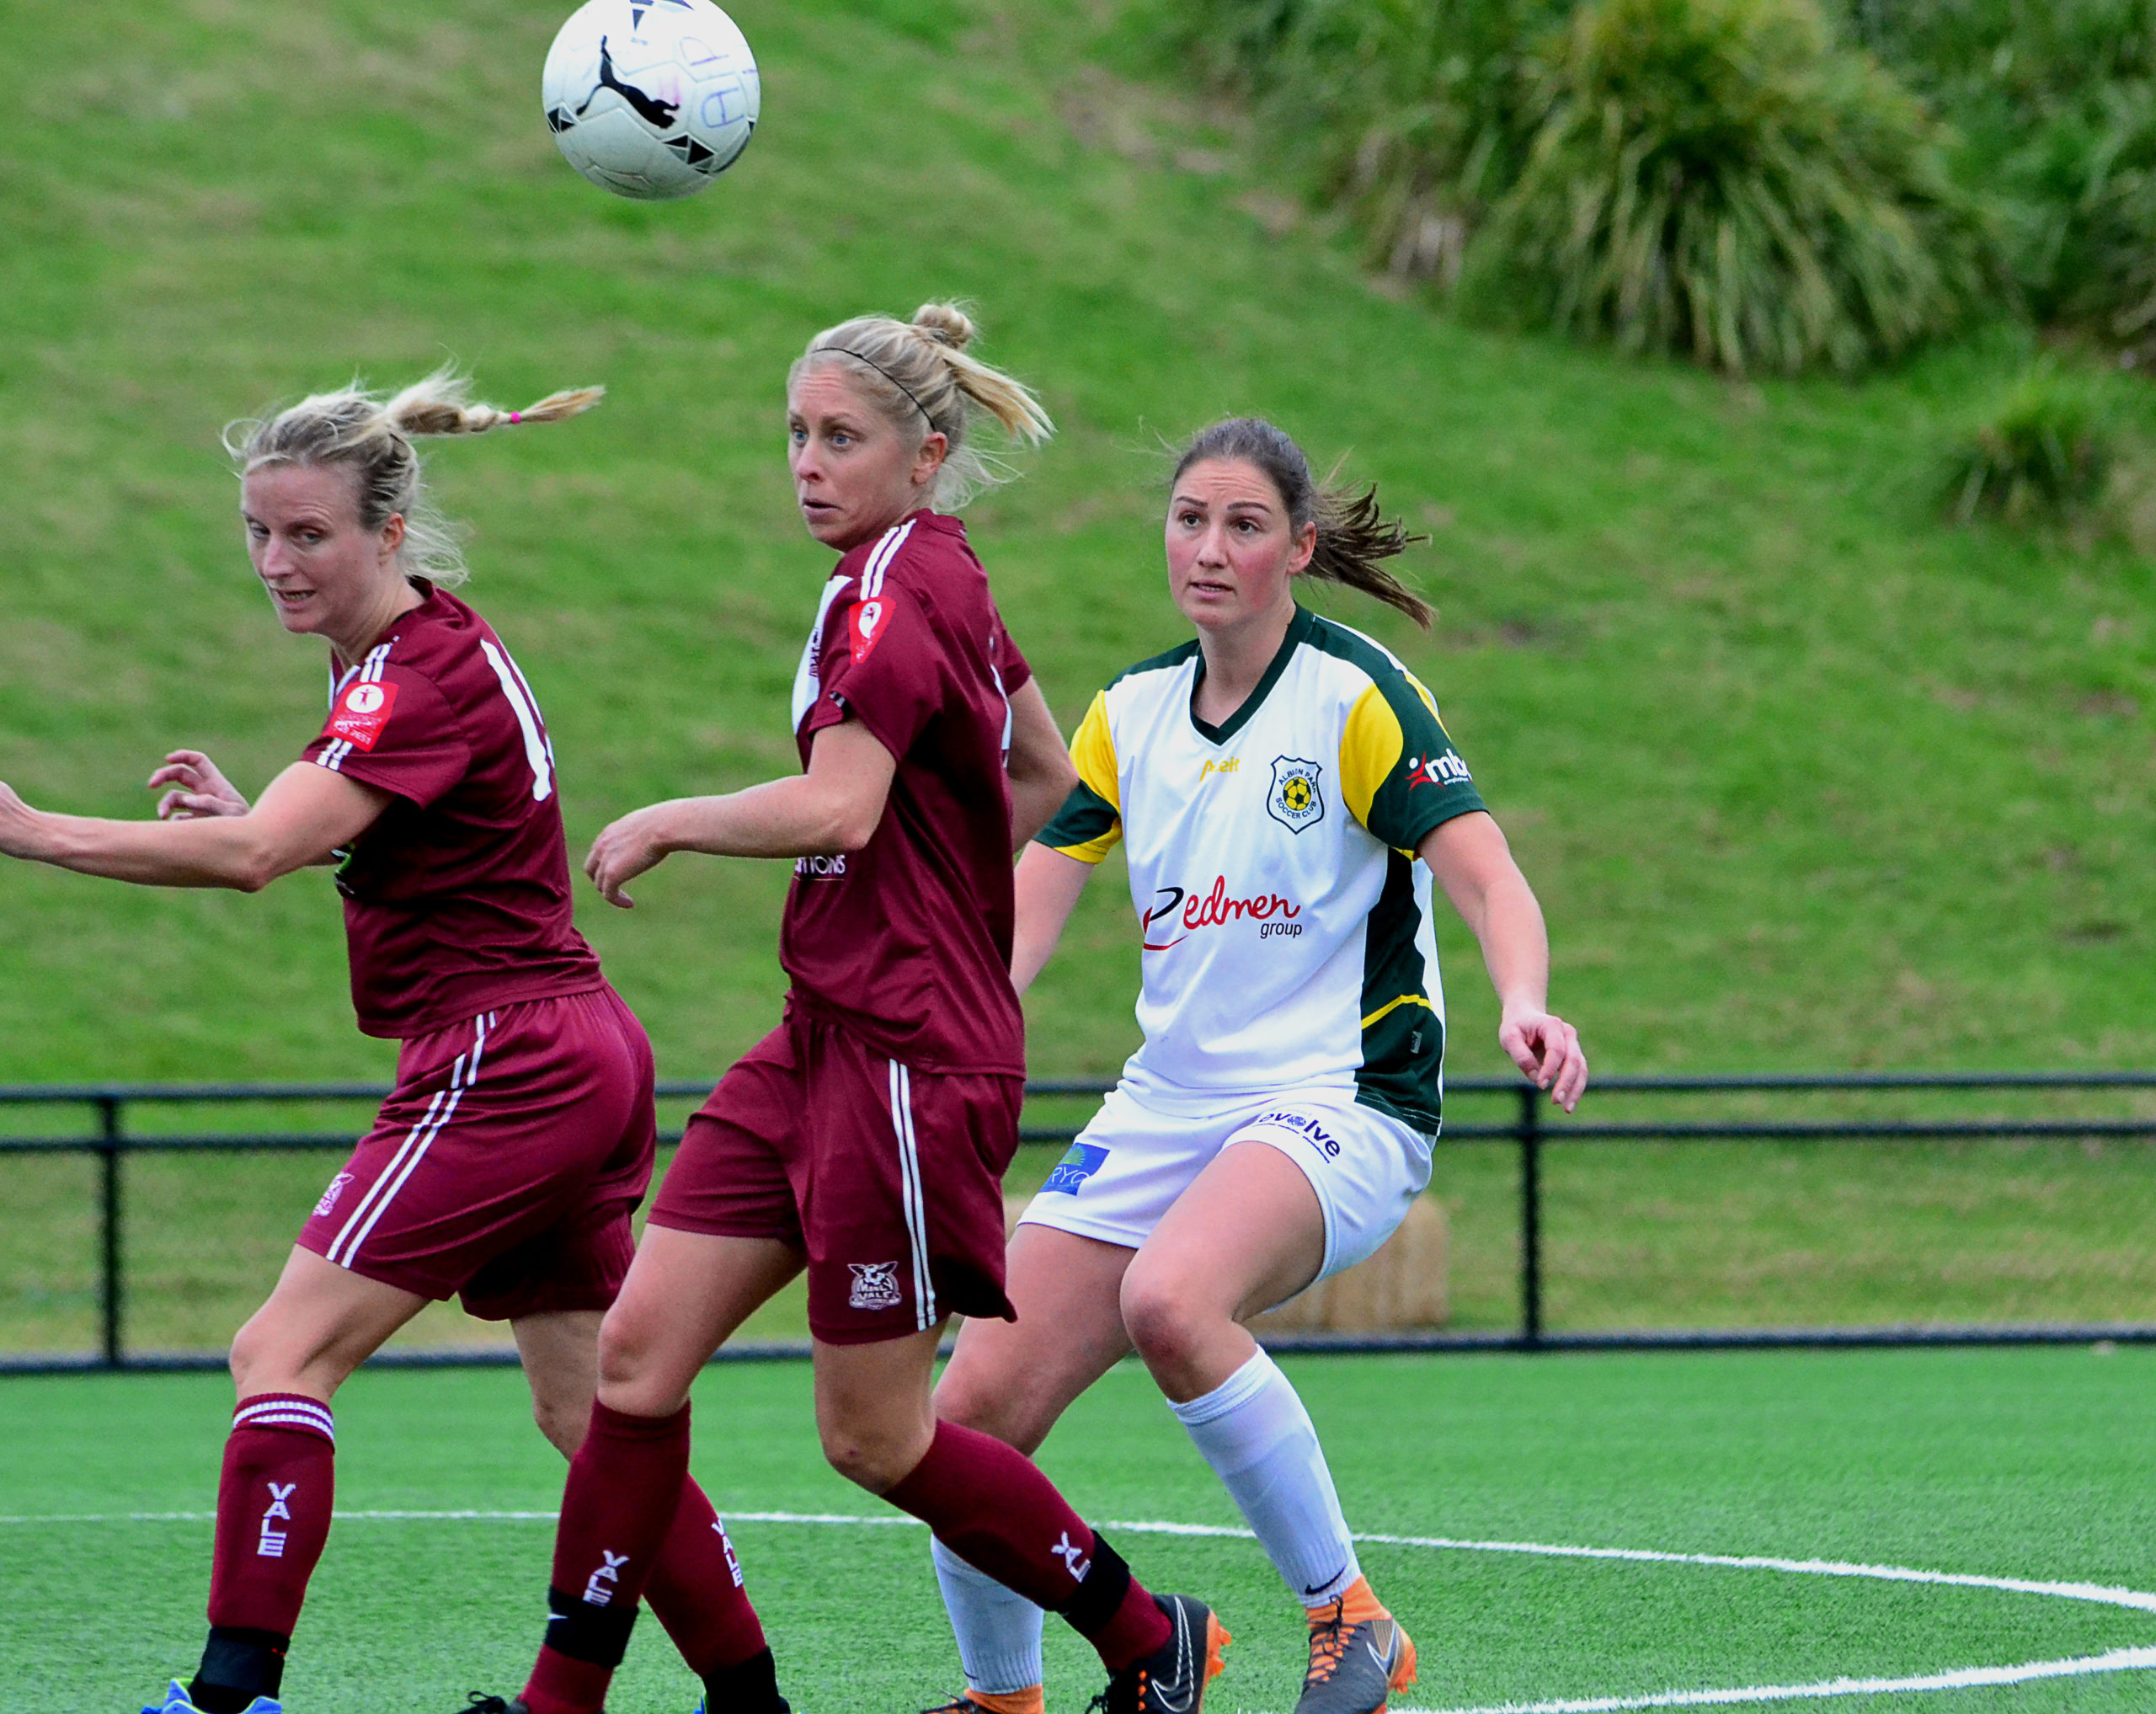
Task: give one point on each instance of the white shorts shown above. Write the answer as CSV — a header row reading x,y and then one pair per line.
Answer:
x,y
1133,1161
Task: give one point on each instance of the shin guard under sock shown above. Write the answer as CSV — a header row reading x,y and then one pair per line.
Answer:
x,y
999,1631
992,1507
625,1487
1254,1432
695,1591
273,1503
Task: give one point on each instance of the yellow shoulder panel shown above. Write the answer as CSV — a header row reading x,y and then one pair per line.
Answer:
x,y
1370,744
1092,751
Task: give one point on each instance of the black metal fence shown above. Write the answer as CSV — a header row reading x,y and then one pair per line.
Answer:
x,y
1534,1129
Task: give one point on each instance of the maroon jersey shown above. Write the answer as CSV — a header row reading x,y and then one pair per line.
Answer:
x,y
907,941
457,899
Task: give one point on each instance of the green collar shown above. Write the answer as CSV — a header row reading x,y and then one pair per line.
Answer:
x,y
1298,627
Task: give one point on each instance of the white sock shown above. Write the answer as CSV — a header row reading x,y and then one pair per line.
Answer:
x,y
1255,1434
999,1631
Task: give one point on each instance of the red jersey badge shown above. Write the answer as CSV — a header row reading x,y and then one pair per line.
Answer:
x,y
361,712
864,625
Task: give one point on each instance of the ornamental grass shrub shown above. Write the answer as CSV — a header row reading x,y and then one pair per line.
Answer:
x,y
1412,116
1721,179
2055,105
2043,456
2082,218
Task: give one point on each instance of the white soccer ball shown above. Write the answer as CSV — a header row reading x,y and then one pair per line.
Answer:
x,y
651,98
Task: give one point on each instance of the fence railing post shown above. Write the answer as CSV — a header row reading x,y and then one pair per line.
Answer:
x,y
110,1233
1530,1215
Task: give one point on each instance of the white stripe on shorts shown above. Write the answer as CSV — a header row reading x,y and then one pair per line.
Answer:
x,y
909,1196
367,1215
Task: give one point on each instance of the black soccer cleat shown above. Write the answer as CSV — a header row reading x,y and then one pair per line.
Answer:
x,y
480,1704
1173,1677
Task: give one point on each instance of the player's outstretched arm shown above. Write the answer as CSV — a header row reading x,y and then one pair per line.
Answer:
x,y
1039,765
1048,884
306,812
1474,864
834,806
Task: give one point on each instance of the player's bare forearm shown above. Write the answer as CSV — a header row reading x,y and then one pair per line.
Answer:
x,y
1474,864
834,806
1048,884
306,812
1039,765
779,818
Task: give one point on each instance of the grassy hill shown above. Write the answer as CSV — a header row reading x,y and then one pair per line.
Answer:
x,y
1804,778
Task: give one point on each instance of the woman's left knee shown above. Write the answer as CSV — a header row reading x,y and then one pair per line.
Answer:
x,y
1166,1315
875,1459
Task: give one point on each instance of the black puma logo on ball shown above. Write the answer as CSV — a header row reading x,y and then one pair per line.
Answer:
x,y
658,115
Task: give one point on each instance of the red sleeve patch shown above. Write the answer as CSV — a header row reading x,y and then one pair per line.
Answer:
x,y
360,714
864,625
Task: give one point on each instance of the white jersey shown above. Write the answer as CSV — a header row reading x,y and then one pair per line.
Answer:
x,y
1285,918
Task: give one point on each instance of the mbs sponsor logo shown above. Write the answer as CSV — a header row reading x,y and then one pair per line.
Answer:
x,y
1180,913
1444,769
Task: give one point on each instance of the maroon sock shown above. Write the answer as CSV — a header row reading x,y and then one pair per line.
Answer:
x,y
625,1486
991,1506
273,1511
696,1590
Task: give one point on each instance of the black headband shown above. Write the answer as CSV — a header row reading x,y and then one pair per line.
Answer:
x,y
844,351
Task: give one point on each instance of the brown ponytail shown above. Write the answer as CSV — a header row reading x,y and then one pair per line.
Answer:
x,y
1354,538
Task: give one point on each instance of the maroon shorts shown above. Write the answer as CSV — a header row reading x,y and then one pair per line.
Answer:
x,y
506,1163
890,1179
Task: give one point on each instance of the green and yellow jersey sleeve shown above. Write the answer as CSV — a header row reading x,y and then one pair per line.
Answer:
x,y
1399,771
1091,820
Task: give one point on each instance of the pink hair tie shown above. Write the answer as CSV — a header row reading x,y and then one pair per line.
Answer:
x,y
516,416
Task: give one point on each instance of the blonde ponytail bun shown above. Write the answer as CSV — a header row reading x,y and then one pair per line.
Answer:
x,y
917,373
947,325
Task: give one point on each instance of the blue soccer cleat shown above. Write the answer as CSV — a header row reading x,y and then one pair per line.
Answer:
x,y
176,1702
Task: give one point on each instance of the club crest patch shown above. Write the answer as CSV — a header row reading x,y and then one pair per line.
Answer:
x,y
328,1203
1296,800
875,1286
864,626
361,711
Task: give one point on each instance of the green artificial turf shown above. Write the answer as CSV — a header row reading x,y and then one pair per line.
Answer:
x,y
2029,1464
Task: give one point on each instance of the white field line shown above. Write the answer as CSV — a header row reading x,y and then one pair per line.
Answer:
x,y
2117,1660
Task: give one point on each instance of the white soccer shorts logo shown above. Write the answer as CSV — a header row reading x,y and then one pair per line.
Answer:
x,y
271,1545
336,1189
1073,1557
875,1286
596,1590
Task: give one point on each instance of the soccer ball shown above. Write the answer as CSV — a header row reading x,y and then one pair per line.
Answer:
x,y
650,98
